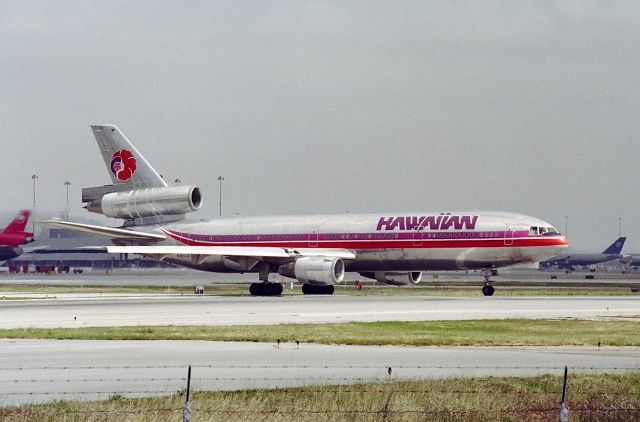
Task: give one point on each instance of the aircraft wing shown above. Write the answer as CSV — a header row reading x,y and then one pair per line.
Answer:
x,y
110,232
257,252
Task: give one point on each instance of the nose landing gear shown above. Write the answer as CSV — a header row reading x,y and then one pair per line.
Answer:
x,y
488,289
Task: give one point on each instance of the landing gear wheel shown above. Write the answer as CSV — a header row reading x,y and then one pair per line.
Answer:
x,y
273,289
312,289
265,289
488,290
256,289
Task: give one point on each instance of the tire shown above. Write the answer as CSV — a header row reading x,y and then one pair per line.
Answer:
x,y
488,290
277,288
256,289
272,289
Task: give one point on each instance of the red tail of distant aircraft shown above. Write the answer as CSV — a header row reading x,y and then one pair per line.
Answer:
x,y
13,236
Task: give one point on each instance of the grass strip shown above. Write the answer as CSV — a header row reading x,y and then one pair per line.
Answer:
x,y
503,332
589,397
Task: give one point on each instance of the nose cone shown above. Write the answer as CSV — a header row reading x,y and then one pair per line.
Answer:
x,y
563,240
563,244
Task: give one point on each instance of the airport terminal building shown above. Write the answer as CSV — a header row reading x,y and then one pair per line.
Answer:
x,y
66,251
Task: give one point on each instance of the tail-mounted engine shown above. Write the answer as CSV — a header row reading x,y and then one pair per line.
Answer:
x,y
150,202
317,270
395,278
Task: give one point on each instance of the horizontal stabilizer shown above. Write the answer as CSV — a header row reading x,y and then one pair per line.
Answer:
x,y
110,232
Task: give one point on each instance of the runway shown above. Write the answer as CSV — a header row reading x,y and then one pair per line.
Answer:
x,y
43,370
85,310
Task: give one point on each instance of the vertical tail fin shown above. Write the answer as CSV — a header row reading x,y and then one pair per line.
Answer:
x,y
125,163
615,247
19,223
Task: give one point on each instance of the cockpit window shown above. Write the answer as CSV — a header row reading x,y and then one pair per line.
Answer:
x,y
545,231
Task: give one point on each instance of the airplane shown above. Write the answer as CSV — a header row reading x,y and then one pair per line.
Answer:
x,y
631,262
14,236
570,261
316,250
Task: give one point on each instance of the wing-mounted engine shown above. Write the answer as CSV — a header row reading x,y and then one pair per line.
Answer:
x,y
146,203
395,278
317,270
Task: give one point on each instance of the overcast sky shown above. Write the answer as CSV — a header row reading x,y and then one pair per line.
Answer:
x,y
323,107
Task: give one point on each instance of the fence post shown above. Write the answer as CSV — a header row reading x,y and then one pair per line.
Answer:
x,y
186,411
564,412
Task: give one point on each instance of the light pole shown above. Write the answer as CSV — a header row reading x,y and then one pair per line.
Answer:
x,y
220,179
619,226
67,184
566,225
33,220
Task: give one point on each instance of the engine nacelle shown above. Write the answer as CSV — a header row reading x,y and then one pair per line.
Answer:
x,y
168,200
395,278
317,270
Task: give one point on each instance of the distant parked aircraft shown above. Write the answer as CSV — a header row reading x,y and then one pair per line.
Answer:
x,y
314,249
14,236
572,261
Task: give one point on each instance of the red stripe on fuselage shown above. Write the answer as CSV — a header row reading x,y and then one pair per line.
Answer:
x,y
387,244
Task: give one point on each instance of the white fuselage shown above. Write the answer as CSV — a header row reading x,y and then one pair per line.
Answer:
x,y
381,242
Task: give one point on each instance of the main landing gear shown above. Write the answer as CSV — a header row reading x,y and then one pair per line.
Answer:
x,y
312,289
488,289
265,288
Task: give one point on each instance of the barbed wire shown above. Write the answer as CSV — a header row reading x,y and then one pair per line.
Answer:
x,y
181,367
382,379
203,379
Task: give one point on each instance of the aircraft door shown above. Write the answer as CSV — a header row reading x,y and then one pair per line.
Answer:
x,y
313,238
417,238
508,235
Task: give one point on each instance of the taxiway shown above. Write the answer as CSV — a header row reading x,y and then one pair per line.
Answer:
x,y
88,310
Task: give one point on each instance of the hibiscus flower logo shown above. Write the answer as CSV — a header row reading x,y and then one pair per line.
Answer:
x,y
123,165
